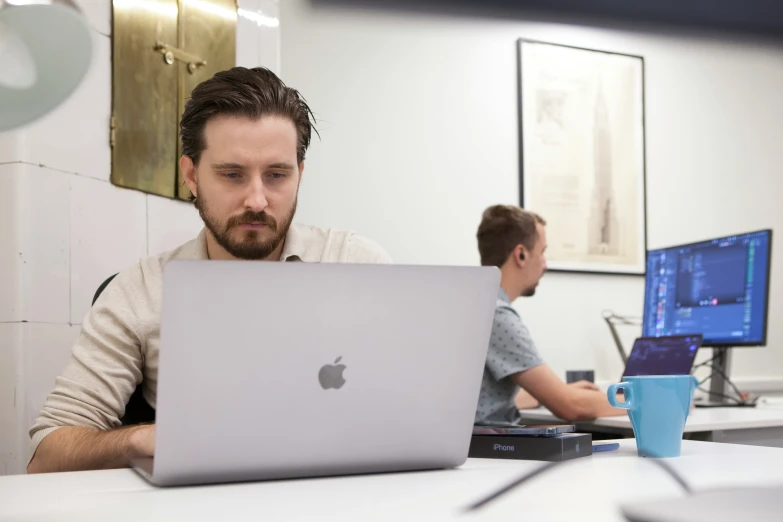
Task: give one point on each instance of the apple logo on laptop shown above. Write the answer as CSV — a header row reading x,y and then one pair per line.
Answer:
x,y
331,375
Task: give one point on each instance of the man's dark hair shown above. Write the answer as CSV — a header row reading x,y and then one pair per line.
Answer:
x,y
502,228
246,92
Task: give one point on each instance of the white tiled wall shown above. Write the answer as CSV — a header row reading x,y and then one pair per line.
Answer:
x,y
75,136
44,251
12,446
46,351
108,233
170,225
33,355
269,35
10,262
98,14
64,228
247,39
258,34
10,144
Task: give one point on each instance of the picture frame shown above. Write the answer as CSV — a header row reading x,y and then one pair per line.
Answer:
x,y
582,157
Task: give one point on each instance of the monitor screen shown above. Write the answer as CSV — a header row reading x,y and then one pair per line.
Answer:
x,y
663,355
717,288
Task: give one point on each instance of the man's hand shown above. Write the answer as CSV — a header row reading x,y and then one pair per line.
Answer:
x,y
585,385
142,441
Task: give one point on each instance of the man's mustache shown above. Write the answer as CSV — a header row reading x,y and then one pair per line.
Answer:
x,y
253,217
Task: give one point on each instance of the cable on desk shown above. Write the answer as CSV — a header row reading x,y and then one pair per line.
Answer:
x,y
708,362
512,485
549,465
673,474
739,400
716,369
722,396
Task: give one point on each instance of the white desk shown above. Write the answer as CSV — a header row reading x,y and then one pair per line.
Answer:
x,y
754,426
595,486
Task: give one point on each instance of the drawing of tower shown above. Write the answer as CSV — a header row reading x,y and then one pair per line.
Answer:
x,y
603,227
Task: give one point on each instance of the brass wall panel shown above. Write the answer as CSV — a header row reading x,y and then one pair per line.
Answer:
x,y
207,28
161,49
144,103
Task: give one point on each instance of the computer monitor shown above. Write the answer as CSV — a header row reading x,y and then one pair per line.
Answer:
x,y
717,288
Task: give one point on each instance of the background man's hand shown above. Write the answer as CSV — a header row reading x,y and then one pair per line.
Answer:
x,y
585,385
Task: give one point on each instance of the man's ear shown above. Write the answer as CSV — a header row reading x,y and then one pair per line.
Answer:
x,y
520,254
189,173
301,169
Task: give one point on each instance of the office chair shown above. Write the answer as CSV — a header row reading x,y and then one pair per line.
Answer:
x,y
137,410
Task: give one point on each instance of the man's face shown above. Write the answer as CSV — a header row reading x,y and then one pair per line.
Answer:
x,y
246,183
535,265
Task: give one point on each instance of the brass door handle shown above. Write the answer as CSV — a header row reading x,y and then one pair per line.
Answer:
x,y
172,53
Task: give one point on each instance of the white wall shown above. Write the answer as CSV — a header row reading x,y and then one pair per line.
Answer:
x,y
64,227
419,134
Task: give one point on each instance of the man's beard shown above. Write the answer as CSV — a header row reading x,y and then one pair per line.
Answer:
x,y
251,246
529,292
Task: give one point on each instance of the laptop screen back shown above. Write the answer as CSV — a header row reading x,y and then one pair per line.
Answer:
x,y
663,355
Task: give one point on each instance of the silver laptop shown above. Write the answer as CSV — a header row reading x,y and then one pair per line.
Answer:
x,y
283,370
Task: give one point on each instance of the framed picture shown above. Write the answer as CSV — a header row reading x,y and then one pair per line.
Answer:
x,y
582,155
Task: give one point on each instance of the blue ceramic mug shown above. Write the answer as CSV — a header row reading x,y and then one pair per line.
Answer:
x,y
658,406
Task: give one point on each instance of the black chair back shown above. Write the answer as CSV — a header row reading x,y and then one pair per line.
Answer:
x,y
138,410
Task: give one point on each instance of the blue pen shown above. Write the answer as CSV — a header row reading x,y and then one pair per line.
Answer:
x,y
606,447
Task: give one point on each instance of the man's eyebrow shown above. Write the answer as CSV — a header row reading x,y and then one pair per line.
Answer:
x,y
222,166
237,166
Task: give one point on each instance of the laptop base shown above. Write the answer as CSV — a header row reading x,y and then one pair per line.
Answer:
x,y
144,467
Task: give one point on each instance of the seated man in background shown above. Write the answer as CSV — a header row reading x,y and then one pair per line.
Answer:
x,y
244,137
515,241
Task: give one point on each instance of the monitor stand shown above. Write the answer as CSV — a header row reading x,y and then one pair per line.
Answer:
x,y
719,387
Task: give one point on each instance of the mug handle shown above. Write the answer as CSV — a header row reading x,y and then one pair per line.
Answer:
x,y
694,386
611,394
